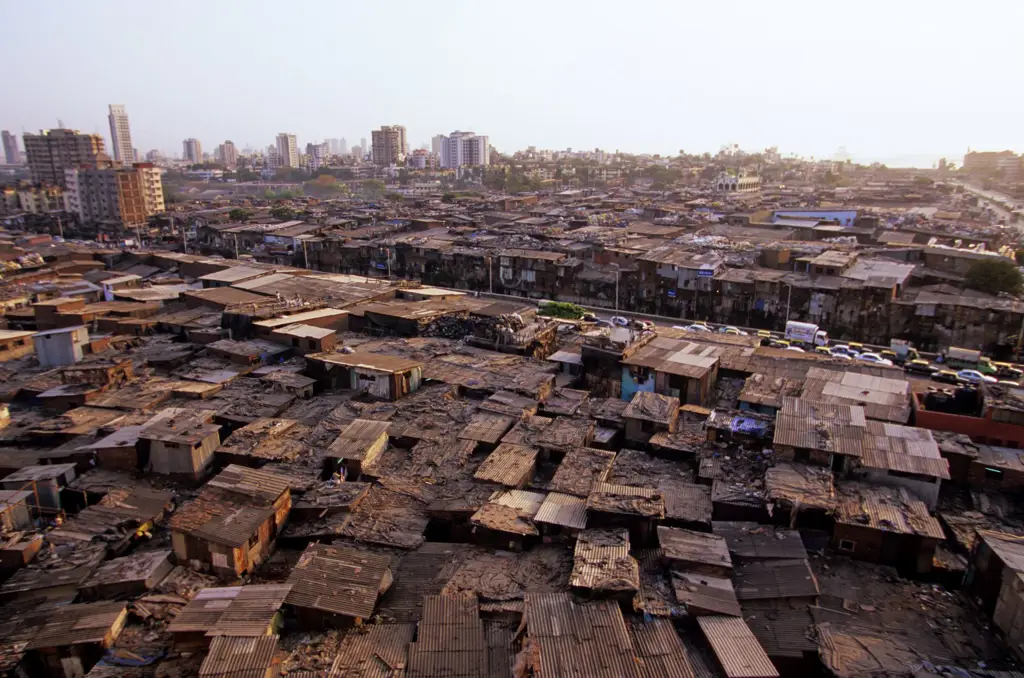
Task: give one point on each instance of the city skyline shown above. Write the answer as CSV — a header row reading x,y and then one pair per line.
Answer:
x,y
642,81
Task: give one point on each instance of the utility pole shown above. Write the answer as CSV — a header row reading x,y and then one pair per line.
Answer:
x,y
789,298
236,244
618,272
60,227
305,254
490,275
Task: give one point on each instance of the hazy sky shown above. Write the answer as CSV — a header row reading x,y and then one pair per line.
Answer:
x,y
897,80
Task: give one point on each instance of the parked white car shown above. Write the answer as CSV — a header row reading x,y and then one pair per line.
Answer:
x,y
732,330
843,349
697,328
976,377
795,349
874,358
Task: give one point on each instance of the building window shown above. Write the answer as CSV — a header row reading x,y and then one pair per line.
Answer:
x,y
993,474
847,545
253,540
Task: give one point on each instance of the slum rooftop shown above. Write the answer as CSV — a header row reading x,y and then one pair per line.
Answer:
x,y
330,473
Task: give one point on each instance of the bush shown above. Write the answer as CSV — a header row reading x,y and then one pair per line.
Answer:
x,y
562,309
994,276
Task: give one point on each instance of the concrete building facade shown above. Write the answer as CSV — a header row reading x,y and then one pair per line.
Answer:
x,y
125,195
227,153
52,151
389,145
462,148
120,135
192,151
11,154
288,150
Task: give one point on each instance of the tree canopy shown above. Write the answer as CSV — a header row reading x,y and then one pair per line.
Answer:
x,y
239,214
995,275
282,213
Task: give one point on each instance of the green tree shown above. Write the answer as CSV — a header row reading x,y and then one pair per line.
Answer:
x,y
239,214
282,213
995,275
373,188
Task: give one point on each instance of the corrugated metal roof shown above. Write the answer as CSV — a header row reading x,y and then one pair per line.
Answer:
x,y
737,649
566,433
509,464
704,594
564,510
339,580
251,482
751,541
80,623
801,486
601,562
525,503
654,407
903,448
836,429
451,640
503,519
781,631
252,611
377,651
686,547
660,650
202,612
581,469
486,427
775,580
579,639
357,438
239,657
889,509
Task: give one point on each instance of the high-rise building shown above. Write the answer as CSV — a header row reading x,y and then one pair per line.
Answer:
x,y
288,149
463,148
192,151
316,155
52,151
364,146
227,154
109,192
120,135
389,146
11,155
343,147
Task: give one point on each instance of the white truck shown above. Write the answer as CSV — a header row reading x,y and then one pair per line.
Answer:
x,y
805,333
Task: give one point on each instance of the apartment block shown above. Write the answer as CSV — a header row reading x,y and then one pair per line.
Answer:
x,y
287,150
192,151
120,134
11,155
462,148
114,194
389,145
52,151
227,153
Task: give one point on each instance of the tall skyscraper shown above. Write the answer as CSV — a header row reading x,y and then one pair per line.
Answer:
x,y
389,145
364,146
192,151
463,148
228,154
120,135
52,151
288,149
343,147
11,155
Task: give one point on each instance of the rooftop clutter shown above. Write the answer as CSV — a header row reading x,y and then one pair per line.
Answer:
x,y
313,471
